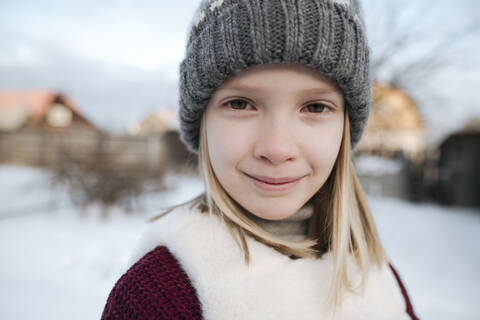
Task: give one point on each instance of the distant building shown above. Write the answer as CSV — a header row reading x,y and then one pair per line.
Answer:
x,y
395,125
156,122
163,124
393,140
459,167
39,109
40,127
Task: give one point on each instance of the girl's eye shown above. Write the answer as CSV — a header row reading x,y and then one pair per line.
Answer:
x,y
237,104
317,108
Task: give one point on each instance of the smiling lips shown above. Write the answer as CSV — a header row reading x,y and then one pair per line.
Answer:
x,y
274,180
274,184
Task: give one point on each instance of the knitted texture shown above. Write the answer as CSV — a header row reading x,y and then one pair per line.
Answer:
x,y
155,287
229,36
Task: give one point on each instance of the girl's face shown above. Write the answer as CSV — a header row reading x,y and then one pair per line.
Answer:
x,y
274,133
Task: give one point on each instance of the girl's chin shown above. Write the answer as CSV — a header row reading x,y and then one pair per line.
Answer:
x,y
272,212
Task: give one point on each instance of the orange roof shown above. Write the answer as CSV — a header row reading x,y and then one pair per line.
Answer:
x,y
37,101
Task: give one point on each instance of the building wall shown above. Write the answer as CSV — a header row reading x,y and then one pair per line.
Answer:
x,y
459,170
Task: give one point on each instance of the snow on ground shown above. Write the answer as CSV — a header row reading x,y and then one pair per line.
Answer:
x,y
435,249
55,264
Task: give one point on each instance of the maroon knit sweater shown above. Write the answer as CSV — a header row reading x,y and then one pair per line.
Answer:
x,y
156,287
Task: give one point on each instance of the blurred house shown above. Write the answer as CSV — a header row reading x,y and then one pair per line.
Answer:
x,y
163,124
39,109
395,125
393,139
37,127
156,122
459,167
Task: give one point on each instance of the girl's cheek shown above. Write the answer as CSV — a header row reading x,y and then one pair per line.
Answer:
x,y
227,139
322,143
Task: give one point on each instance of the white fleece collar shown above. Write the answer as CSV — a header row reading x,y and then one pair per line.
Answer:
x,y
272,286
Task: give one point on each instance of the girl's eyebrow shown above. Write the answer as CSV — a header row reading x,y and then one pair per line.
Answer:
x,y
320,90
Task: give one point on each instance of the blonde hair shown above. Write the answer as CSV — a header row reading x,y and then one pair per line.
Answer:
x,y
341,223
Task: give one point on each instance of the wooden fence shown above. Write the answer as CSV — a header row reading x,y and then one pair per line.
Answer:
x,y
148,154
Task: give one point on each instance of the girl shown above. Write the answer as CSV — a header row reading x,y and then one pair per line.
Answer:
x,y
274,96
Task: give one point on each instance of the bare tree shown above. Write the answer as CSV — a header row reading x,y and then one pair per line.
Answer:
x,y
415,42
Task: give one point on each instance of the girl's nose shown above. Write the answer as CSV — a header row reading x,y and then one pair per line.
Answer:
x,y
275,144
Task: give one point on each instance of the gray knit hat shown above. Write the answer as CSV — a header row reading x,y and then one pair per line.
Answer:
x,y
229,36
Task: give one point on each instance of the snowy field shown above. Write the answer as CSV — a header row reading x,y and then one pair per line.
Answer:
x,y
55,264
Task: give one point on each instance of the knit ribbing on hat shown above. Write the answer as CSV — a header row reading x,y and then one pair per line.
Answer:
x,y
229,36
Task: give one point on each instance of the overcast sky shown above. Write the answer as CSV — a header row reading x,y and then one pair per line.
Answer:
x,y
119,59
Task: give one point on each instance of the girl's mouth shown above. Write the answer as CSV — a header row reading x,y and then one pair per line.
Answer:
x,y
274,184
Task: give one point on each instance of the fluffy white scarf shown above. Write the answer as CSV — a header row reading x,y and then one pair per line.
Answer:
x,y
272,286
